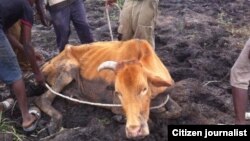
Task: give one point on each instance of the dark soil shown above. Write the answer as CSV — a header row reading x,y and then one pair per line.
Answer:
x,y
198,40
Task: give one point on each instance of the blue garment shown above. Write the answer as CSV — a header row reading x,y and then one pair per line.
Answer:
x,y
10,12
61,18
9,68
13,10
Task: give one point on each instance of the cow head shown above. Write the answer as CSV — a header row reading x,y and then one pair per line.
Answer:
x,y
133,87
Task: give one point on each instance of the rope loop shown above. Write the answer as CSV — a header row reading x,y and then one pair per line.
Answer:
x,y
99,104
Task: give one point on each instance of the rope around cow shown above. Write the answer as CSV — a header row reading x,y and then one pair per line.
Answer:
x,y
99,104
108,19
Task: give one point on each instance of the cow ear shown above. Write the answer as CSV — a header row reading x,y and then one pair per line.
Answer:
x,y
158,81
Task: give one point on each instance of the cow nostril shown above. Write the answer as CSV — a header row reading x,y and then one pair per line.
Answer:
x,y
110,88
134,130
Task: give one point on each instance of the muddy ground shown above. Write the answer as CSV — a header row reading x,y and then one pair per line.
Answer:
x,y
198,40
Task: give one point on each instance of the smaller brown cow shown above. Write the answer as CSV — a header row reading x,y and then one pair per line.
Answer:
x,y
131,67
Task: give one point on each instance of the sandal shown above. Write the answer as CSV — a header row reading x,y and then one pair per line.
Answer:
x,y
37,113
8,104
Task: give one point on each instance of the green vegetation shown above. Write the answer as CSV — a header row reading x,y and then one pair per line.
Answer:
x,y
225,21
120,3
7,128
237,31
104,121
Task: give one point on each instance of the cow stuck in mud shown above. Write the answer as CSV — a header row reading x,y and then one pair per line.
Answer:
x,y
125,72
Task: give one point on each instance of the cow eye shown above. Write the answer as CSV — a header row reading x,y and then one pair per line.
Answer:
x,y
144,91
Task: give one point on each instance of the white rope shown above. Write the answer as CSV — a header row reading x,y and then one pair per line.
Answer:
x,y
79,101
110,29
99,104
108,18
161,105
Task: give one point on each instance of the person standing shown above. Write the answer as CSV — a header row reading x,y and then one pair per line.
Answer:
x,y
62,12
137,20
239,80
10,72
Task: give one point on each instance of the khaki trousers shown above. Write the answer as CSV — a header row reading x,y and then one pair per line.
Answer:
x,y
137,20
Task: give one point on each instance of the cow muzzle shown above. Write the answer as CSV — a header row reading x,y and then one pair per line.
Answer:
x,y
137,131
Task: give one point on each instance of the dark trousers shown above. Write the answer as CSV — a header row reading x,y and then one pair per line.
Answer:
x,y
61,19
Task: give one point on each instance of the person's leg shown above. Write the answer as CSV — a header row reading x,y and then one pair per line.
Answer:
x,y
18,88
10,73
240,99
239,80
61,23
125,29
144,19
78,17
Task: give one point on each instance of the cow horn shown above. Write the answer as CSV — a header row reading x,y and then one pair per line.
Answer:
x,y
107,65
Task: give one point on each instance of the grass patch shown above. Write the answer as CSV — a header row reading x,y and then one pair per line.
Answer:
x,y
120,3
6,127
227,23
239,33
104,121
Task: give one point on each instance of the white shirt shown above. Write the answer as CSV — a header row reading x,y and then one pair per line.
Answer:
x,y
53,2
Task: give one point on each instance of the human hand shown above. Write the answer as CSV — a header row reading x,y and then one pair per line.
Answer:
x,y
43,12
46,20
110,2
39,57
40,79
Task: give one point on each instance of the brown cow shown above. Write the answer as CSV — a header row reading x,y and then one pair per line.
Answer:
x,y
131,67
